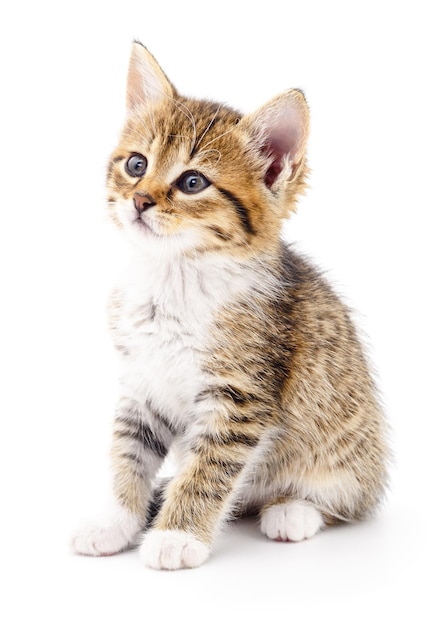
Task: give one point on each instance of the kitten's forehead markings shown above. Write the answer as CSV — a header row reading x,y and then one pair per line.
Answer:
x,y
208,127
226,132
189,115
146,120
144,138
211,156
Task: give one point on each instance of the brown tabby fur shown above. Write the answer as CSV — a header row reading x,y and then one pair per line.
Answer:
x,y
296,415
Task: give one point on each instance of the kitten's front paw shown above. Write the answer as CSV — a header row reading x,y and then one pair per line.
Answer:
x,y
97,541
110,538
291,521
173,549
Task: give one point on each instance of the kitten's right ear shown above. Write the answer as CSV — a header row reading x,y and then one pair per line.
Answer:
x,y
146,82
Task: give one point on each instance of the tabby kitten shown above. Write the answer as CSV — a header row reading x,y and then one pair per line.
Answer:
x,y
233,348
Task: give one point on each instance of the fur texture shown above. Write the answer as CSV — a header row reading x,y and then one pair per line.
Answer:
x,y
233,348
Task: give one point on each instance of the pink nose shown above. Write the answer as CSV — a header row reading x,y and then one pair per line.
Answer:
x,y
142,202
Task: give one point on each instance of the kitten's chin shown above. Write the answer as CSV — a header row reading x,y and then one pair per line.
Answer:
x,y
144,237
144,228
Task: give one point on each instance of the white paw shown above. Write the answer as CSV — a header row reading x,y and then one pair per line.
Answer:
x,y
172,549
291,521
107,539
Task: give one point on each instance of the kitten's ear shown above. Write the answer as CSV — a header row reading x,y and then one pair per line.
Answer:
x,y
146,82
281,129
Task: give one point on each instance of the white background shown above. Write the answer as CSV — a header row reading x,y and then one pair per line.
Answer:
x,y
373,73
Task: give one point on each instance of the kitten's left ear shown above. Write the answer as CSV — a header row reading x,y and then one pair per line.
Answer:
x,y
146,82
281,129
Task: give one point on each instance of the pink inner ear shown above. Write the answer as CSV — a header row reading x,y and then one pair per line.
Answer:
x,y
274,169
282,141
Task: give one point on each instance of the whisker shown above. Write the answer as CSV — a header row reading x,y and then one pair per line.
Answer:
x,y
209,125
180,137
209,151
189,115
219,136
134,133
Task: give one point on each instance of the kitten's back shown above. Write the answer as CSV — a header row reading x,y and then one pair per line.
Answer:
x,y
303,356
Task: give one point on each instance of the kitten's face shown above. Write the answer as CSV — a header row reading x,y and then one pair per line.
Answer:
x,y
183,174
192,176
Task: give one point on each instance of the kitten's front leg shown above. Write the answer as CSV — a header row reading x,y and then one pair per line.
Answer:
x,y
199,499
140,444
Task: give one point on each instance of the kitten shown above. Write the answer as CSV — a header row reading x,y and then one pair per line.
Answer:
x,y
233,348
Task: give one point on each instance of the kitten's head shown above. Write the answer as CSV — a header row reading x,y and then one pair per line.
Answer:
x,y
193,176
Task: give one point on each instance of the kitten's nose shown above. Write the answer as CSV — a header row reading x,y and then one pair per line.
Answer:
x,y
142,202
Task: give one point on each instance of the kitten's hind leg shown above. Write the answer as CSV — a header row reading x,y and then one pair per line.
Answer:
x,y
286,519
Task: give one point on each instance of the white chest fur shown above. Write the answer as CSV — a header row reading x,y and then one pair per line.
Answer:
x,y
163,326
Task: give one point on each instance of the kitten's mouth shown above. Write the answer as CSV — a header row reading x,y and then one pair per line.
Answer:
x,y
144,226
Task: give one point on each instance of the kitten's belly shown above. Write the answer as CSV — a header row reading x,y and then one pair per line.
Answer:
x,y
162,366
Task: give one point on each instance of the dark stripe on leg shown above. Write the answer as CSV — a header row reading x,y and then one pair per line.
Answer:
x,y
162,419
238,397
219,440
156,502
143,434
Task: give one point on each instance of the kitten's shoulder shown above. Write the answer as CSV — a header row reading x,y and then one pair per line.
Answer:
x,y
300,273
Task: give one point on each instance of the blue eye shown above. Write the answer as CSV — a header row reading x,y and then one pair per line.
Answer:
x,y
136,165
192,182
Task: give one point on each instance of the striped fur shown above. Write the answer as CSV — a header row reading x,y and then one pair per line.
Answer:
x,y
233,348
